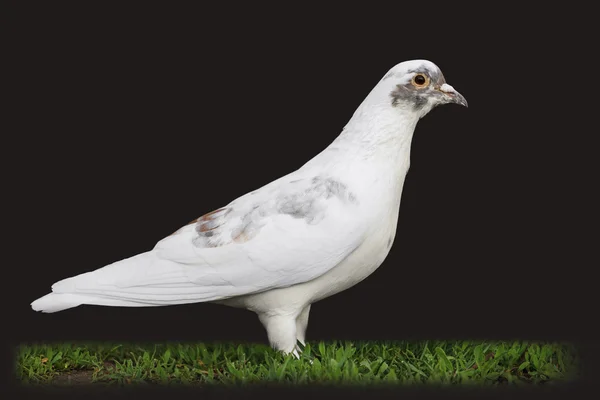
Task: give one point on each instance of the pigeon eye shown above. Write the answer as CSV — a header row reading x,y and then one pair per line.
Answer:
x,y
420,80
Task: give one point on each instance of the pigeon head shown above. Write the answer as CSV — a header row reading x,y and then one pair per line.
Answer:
x,y
418,86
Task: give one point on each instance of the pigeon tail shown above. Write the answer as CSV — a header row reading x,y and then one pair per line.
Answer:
x,y
54,302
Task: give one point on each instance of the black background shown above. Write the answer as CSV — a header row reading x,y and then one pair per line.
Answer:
x,y
132,122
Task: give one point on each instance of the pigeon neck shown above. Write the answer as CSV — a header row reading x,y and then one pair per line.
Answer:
x,y
378,130
375,141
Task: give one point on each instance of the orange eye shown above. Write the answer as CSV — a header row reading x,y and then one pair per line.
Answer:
x,y
420,80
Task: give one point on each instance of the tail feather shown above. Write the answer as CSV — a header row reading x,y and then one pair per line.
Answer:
x,y
143,280
54,302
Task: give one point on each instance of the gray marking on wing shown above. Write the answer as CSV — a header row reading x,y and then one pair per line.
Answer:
x,y
305,204
304,201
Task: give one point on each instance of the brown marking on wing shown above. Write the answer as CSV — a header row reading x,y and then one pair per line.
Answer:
x,y
242,237
245,233
206,222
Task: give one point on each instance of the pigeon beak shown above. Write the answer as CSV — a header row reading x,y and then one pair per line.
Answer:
x,y
452,95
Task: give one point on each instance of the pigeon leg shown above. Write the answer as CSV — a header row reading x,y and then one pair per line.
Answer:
x,y
301,324
281,330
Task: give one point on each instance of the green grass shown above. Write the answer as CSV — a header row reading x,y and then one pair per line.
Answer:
x,y
458,362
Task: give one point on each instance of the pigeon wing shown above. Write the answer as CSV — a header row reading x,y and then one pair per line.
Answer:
x,y
278,236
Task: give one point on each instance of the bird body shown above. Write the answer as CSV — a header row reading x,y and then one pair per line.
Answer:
x,y
299,239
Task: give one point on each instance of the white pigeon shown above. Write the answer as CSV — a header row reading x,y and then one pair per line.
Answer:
x,y
303,237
